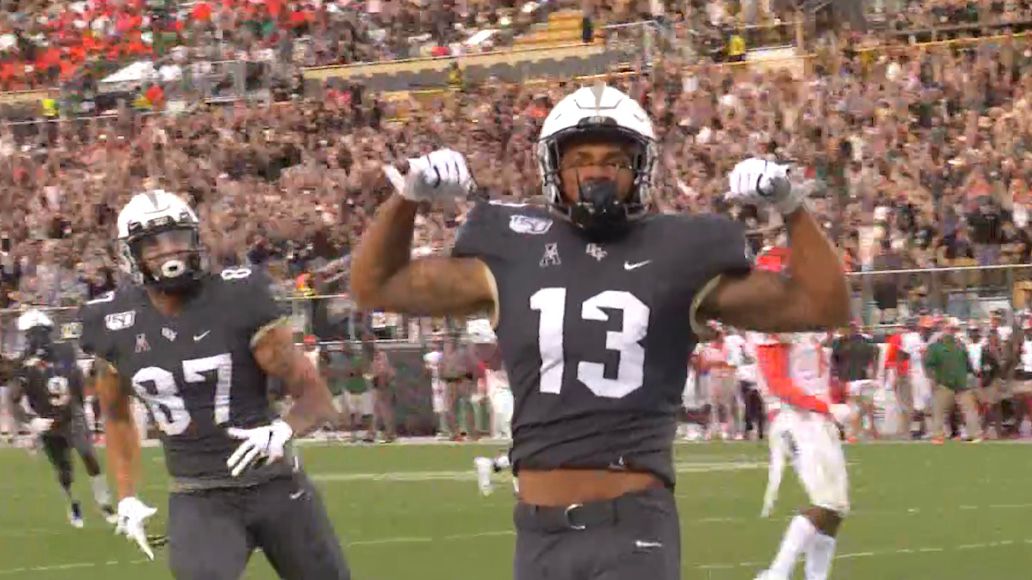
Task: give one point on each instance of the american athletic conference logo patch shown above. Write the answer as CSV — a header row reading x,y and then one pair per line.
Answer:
x,y
525,224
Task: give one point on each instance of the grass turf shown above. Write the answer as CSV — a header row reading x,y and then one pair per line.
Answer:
x,y
955,512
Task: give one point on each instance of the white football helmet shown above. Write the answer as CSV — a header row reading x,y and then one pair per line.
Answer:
x,y
37,328
601,110
160,213
33,318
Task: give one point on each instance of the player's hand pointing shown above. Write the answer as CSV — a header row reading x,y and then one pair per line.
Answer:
x,y
439,176
259,443
758,181
132,518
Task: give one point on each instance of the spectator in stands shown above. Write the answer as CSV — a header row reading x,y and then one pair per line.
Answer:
x,y
587,28
886,288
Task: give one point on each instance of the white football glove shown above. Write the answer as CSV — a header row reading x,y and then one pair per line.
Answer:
x,y
440,176
842,414
40,425
758,181
259,443
132,517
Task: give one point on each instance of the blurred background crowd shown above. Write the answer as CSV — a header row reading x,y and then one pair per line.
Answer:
x,y
909,121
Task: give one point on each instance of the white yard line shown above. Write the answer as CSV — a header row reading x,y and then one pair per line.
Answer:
x,y
68,566
381,541
900,551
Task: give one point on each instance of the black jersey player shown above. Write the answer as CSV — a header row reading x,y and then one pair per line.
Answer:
x,y
197,349
596,300
49,385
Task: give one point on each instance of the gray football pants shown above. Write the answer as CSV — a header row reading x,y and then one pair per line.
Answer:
x,y
58,446
213,532
636,536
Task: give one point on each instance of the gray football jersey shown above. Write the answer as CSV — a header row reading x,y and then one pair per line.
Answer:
x,y
195,371
595,336
52,385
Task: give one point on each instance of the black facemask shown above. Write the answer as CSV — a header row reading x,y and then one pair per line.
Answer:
x,y
599,213
38,341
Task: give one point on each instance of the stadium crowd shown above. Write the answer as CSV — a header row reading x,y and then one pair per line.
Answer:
x,y
45,43
917,159
42,43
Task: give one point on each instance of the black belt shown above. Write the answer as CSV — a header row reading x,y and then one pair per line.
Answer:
x,y
579,516
561,518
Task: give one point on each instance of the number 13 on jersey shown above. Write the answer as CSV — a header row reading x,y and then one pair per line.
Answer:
x,y
630,374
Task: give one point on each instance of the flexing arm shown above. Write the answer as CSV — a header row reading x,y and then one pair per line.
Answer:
x,y
813,295
123,442
383,276
275,353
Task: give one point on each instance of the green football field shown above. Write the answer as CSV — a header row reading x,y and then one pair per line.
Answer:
x,y
412,512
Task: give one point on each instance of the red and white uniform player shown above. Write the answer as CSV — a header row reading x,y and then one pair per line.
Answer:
x,y
914,342
795,373
794,377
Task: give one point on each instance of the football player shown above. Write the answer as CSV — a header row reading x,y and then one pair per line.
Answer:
x,y
718,374
918,400
795,370
198,349
50,384
485,467
438,389
596,300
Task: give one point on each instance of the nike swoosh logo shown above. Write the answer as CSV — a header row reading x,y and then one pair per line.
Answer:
x,y
297,495
636,265
198,337
643,544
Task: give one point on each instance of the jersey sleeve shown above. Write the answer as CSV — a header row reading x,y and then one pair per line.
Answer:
x,y
718,248
481,235
726,249
253,295
94,339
